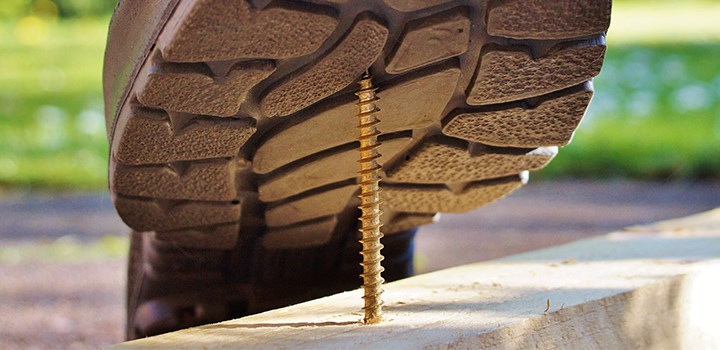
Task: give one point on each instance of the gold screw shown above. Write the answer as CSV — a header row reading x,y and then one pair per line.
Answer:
x,y
370,201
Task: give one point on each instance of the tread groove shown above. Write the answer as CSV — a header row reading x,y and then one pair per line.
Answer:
x,y
237,151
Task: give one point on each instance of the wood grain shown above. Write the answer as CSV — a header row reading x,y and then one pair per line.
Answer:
x,y
652,287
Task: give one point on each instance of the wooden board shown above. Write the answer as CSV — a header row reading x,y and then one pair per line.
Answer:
x,y
651,287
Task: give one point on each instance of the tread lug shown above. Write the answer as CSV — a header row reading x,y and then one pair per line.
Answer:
x,y
542,19
551,123
445,162
210,181
322,131
511,75
439,199
149,138
220,30
315,174
430,40
198,93
340,68
222,237
327,203
150,215
301,236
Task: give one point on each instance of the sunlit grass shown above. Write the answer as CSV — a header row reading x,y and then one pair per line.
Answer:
x,y
655,115
664,21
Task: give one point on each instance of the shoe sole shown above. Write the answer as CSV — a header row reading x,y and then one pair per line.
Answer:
x,y
235,151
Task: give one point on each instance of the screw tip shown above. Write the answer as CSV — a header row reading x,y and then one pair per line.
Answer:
x,y
372,320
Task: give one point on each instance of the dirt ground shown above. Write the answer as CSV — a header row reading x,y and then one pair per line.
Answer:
x,y
61,305
79,305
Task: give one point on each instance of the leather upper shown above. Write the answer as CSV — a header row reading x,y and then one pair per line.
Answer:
x,y
133,31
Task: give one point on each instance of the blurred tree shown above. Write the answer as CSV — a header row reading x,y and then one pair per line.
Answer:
x,y
81,8
15,9
12,9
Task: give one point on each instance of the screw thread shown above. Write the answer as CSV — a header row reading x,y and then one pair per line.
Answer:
x,y
370,201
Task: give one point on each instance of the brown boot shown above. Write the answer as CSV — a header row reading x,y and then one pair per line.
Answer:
x,y
233,134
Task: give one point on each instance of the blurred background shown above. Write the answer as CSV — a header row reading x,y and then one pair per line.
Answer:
x,y
649,148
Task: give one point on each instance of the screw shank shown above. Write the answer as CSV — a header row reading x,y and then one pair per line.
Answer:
x,y
369,177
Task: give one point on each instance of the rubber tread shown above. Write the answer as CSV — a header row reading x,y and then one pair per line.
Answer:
x,y
550,122
149,138
354,55
197,93
219,30
235,152
327,203
542,19
301,236
407,221
397,116
436,199
413,5
315,174
497,80
151,215
443,162
210,180
221,237
441,37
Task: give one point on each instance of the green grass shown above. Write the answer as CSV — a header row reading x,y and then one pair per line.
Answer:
x,y
656,113
653,149
51,111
